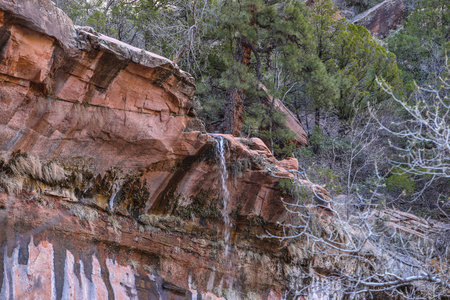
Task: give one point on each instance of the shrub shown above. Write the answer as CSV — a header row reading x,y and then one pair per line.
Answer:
x,y
400,181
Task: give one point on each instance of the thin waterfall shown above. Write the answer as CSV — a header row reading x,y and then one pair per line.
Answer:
x,y
116,190
221,151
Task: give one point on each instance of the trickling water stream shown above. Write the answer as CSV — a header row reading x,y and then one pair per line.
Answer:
x,y
116,189
221,151
111,200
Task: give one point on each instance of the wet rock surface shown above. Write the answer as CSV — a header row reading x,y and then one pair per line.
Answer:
x,y
56,249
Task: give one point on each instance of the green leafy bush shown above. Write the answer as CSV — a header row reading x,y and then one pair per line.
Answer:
x,y
400,181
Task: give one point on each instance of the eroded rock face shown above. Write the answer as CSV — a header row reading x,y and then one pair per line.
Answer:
x,y
54,249
99,99
382,18
109,188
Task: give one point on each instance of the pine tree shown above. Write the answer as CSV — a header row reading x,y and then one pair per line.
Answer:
x,y
257,35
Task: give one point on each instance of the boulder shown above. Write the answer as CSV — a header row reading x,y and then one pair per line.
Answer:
x,y
382,18
291,121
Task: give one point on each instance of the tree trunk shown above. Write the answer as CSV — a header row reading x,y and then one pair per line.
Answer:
x,y
234,110
317,117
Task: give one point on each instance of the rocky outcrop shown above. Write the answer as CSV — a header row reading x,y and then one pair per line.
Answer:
x,y
291,121
379,19
109,186
40,16
382,18
88,96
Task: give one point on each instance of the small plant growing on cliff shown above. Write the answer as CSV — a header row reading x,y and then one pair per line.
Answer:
x,y
53,173
133,194
293,188
22,164
238,168
84,212
23,167
149,219
205,204
256,220
11,184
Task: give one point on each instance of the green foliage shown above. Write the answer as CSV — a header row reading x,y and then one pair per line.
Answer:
x,y
97,20
268,124
285,185
211,103
400,181
317,140
294,189
421,45
280,38
359,59
320,143
204,205
339,76
330,179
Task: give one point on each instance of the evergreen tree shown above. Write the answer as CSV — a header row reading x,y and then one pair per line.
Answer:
x,y
254,34
306,56
422,44
359,59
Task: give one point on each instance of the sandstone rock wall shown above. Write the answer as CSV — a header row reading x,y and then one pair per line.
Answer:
x,y
59,250
89,96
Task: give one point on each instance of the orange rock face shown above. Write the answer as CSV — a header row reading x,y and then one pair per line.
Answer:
x,y
27,55
86,100
48,251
